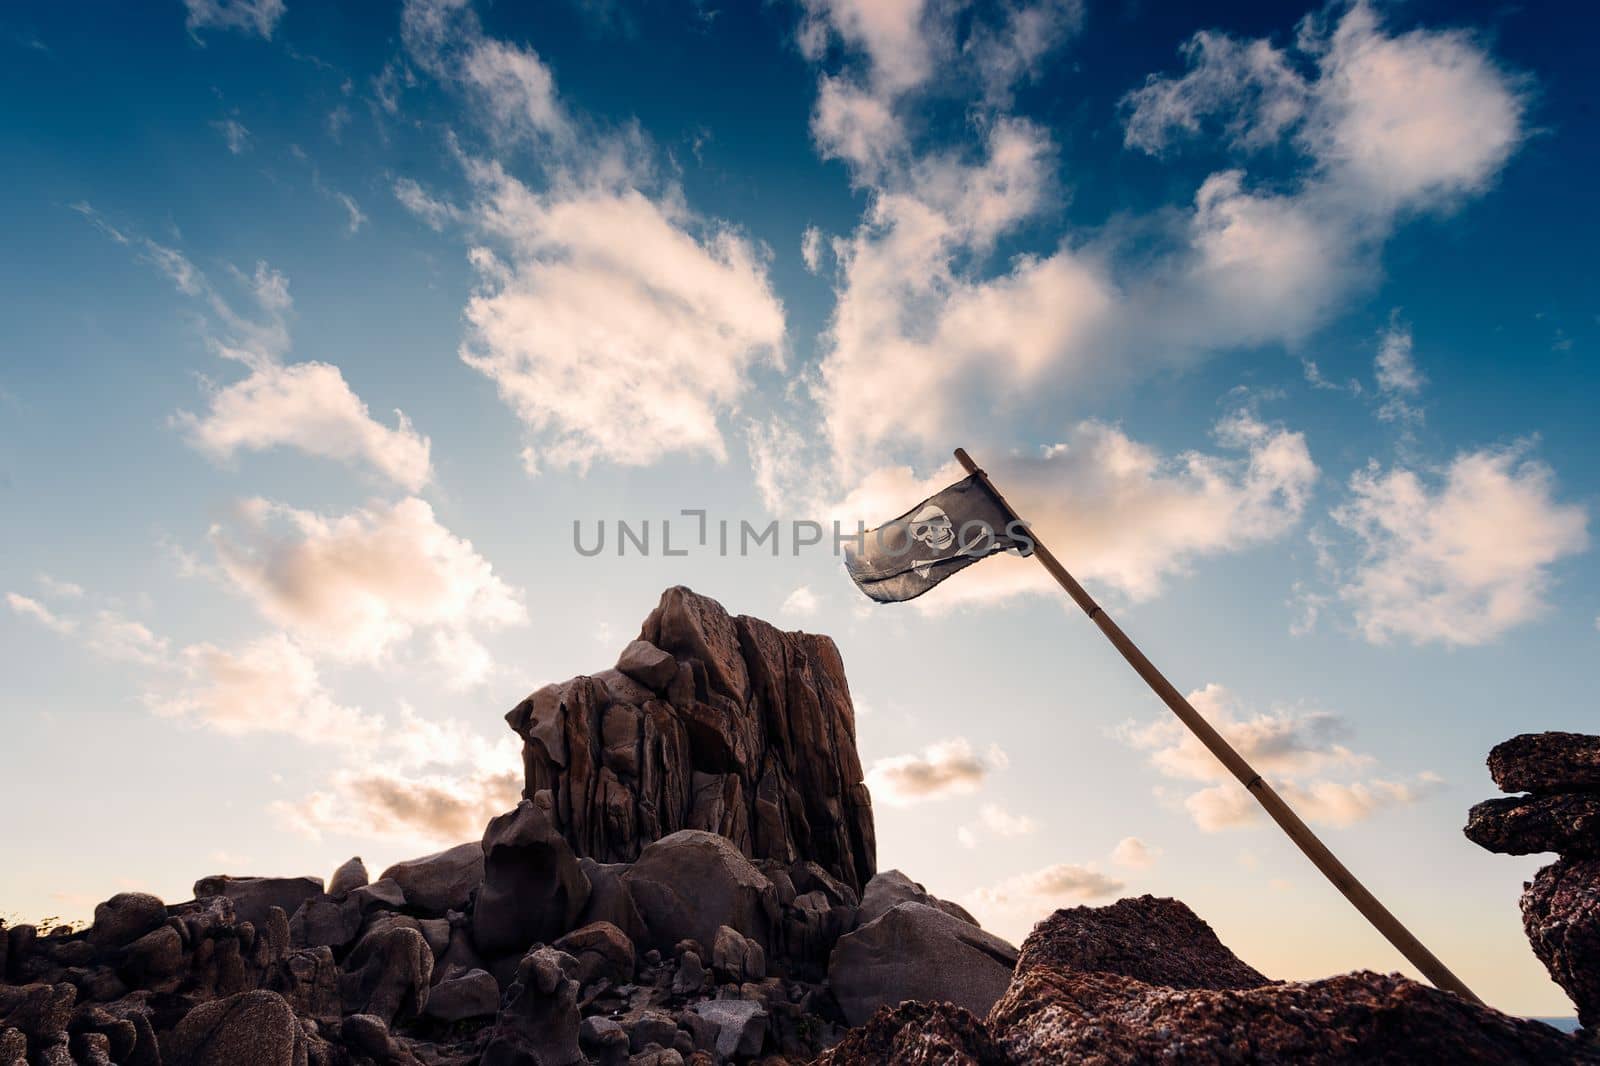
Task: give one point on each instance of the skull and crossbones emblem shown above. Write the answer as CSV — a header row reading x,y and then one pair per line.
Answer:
x,y
932,527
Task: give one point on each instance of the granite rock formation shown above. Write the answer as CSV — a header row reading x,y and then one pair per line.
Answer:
x,y
710,722
1561,905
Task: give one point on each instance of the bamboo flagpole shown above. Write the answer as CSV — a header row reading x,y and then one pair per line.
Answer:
x,y
1314,849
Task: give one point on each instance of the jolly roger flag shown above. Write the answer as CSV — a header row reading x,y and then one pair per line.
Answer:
x,y
901,560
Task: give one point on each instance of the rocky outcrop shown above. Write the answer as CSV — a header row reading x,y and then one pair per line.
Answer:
x,y
1159,941
533,889
1145,981
1566,823
711,722
1543,763
1561,915
1561,905
690,884
914,951
1052,1015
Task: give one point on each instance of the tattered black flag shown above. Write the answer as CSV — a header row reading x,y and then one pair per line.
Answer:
x,y
901,560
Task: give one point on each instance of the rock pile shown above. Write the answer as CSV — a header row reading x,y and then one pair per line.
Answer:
x,y
1146,981
1560,772
689,879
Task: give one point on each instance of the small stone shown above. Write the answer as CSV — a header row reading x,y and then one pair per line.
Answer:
x,y
691,975
741,1025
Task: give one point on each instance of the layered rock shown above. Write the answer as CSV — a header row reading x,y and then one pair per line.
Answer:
x,y
710,722
1561,905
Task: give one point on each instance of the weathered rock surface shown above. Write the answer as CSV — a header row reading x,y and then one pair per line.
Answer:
x,y
750,734
1561,915
249,1029
691,883
538,1026
442,882
1159,941
892,888
533,888
254,897
1567,823
474,994
915,951
1052,1015
126,917
349,877
919,1034
1546,762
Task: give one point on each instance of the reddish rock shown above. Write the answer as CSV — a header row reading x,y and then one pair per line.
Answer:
x,y
918,1034
750,734
1158,940
1568,823
1104,1019
1546,762
1561,915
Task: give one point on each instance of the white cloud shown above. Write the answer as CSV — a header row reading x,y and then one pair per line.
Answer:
x,y
111,636
1061,881
933,339
995,820
438,808
1458,558
619,325
946,768
461,658
356,585
248,16
62,590
311,408
1300,752
268,686
305,406
28,607
1135,854
441,786
801,603
1121,512
811,245
354,218
613,331
1398,377
433,212
234,134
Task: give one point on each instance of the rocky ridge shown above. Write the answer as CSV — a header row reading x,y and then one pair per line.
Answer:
x,y
1560,774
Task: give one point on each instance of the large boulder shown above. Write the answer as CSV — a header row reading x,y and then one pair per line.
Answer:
x,y
388,974
1160,941
1355,1019
915,951
124,918
1567,823
690,884
602,950
442,882
538,1024
709,722
474,994
1546,762
254,897
533,889
249,1029
891,888
1561,915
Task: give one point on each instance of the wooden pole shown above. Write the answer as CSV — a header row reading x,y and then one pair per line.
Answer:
x,y
1287,820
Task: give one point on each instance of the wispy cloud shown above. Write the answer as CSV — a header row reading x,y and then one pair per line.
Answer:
x,y
258,17
948,767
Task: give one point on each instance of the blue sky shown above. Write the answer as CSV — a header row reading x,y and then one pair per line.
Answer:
x,y
1278,325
